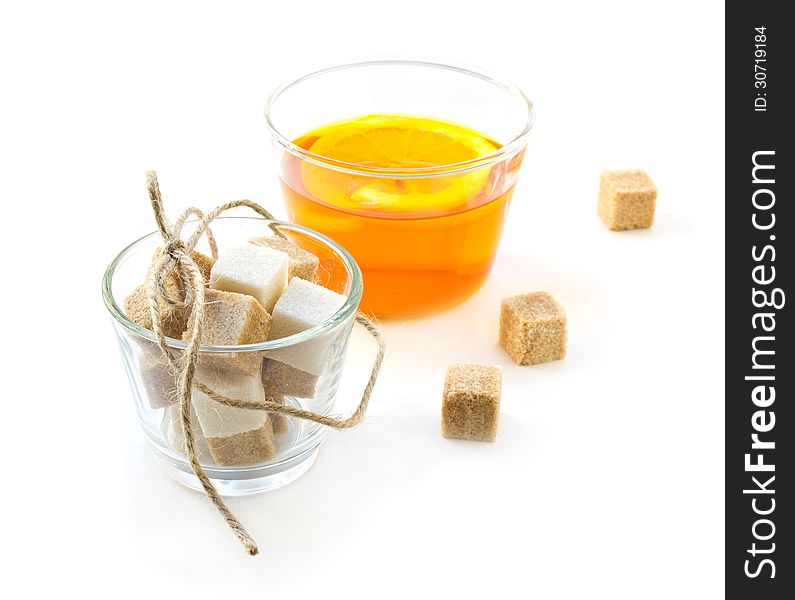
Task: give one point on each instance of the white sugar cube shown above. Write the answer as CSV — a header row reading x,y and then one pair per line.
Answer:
x,y
254,270
220,421
235,436
302,306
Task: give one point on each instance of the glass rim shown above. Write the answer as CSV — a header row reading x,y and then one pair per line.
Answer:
x,y
503,152
350,306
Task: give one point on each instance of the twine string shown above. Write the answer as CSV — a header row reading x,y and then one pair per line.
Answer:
x,y
174,258
205,221
197,212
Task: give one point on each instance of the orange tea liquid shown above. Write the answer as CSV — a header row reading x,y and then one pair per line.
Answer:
x,y
423,243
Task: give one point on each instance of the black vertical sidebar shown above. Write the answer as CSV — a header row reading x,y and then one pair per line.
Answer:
x,y
760,225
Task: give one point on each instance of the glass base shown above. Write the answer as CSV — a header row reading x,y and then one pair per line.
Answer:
x,y
242,481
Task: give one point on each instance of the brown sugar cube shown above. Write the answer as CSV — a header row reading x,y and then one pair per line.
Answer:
x,y
280,379
231,319
471,403
204,262
174,318
302,263
235,436
533,328
627,200
246,448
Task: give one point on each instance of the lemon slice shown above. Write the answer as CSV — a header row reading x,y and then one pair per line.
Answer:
x,y
395,142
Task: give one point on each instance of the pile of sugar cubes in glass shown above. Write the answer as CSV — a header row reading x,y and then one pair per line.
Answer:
x,y
257,291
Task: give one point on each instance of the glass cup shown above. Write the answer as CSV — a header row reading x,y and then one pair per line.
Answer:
x,y
303,370
438,253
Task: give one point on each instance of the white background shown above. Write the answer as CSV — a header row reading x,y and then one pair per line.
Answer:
x,y
607,477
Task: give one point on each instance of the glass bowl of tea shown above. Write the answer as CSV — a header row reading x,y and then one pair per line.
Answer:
x,y
408,165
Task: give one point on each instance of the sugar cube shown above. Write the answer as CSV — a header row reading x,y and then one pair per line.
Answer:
x,y
245,448
158,380
232,319
174,319
235,436
175,433
471,402
533,328
302,306
280,379
626,200
303,264
205,264
254,270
